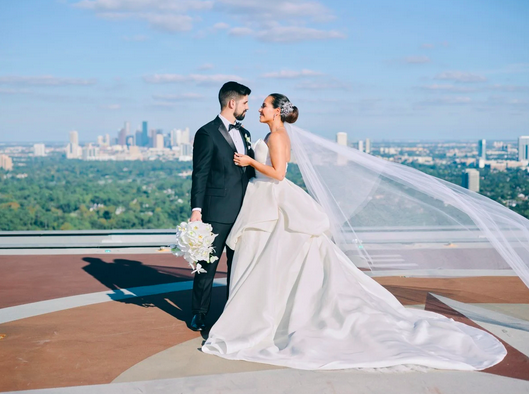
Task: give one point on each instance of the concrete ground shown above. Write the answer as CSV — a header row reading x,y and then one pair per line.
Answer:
x,y
115,321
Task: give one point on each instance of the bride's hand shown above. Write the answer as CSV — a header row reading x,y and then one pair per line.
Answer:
x,y
241,160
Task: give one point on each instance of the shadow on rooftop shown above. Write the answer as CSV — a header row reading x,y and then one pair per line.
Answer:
x,y
125,274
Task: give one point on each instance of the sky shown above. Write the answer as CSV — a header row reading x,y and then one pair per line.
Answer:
x,y
381,69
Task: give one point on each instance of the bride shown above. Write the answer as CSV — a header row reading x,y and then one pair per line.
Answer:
x,y
297,300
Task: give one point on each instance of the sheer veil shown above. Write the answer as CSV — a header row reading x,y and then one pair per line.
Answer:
x,y
391,219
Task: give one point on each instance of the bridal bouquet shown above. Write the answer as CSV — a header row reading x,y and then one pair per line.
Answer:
x,y
194,241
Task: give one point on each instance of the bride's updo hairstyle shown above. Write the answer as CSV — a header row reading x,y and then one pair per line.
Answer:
x,y
289,112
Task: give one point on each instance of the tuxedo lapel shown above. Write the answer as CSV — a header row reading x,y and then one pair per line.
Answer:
x,y
225,134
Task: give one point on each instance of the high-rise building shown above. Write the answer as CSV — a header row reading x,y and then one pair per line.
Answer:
x,y
368,145
90,152
361,146
129,140
523,148
126,126
39,150
144,135
107,139
138,138
341,138
185,136
471,180
6,163
122,136
73,151
74,137
482,149
100,140
176,137
152,138
158,141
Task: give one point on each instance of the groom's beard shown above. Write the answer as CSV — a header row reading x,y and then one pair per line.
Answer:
x,y
240,116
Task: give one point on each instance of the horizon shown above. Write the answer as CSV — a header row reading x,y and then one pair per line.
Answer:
x,y
458,70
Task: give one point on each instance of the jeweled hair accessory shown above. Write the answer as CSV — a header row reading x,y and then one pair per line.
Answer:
x,y
287,108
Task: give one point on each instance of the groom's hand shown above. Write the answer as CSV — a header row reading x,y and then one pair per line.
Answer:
x,y
196,216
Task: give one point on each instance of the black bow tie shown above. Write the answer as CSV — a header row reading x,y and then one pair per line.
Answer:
x,y
237,126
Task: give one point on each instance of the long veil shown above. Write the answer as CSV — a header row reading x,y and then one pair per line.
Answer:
x,y
390,218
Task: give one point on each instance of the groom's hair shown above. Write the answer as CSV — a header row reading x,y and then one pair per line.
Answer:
x,y
232,90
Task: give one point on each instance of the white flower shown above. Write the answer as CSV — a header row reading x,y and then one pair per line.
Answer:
x,y
194,241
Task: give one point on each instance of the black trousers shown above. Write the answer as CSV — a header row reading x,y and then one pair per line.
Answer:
x,y
203,283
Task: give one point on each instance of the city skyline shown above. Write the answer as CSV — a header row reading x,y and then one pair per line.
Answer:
x,y
377,70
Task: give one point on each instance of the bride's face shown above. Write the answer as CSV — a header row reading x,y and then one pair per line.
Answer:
x,y
267,111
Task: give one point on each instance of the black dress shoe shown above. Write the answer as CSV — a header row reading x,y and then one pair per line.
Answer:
x,y
197,323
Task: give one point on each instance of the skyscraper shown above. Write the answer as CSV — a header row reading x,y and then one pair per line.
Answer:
x,y
74,137
471,180
39,150
523,148
185,136
368,145
73,151
6,163
129,140
138,138
122,136
144,134
158,141
482,149
361,146
341,139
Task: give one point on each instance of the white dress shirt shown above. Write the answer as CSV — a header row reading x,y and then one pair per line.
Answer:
x,y
237,140
235,135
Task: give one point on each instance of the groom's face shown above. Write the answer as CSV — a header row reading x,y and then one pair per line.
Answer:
x,y
241,107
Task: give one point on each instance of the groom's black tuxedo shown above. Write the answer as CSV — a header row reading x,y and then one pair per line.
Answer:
x,y
218,188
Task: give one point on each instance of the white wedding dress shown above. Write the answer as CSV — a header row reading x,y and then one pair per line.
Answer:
x,y
296,300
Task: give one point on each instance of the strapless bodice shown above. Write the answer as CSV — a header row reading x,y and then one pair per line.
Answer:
x,y
262,155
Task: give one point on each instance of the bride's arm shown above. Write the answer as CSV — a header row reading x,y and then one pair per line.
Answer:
x,y
277,146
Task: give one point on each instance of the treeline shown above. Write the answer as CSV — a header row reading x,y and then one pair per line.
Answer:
x,y
60,194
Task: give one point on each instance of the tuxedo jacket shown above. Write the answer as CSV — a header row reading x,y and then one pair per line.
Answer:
x,y
218,185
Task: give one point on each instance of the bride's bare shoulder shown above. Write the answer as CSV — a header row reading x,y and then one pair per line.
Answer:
x,y
279,137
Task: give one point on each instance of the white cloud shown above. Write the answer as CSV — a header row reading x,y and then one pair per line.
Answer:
x,y
14,91
290,74
135,5
177,97
322,86
166,15
111,107
45,80
221,26
447,101
169,23
194,78
206,66
259,18
258,10
510,88
448,88
459,76
241,31
417,59
297,33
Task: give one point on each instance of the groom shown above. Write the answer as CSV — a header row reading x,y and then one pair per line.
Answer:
x,y
218,185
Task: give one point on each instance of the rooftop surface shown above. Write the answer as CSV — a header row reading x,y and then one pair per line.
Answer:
x,y
114,320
